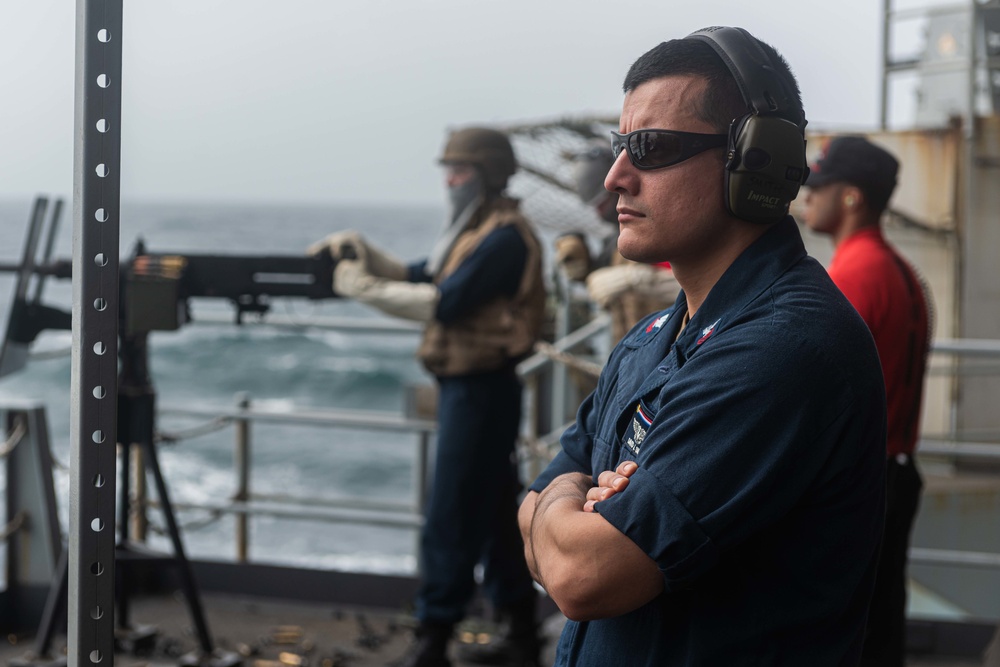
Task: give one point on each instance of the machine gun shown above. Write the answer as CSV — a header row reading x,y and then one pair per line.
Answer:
x,y
152,283
154,295
155,288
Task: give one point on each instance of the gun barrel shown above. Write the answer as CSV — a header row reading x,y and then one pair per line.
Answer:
x,y
235,276
58,269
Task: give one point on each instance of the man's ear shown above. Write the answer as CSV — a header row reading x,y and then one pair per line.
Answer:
x,y
852,197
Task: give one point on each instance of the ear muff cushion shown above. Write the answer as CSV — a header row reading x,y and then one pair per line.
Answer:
x,y
766,165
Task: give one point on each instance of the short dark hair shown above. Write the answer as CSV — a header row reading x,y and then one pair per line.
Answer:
x,y
722,101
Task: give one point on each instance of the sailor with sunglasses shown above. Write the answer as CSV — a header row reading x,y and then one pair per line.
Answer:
x,y
720,498
482,299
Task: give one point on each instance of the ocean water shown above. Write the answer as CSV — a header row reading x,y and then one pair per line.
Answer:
x,y
207,365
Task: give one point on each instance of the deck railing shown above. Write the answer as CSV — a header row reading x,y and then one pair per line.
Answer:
x,y
245,502
540,436
536,447
534,451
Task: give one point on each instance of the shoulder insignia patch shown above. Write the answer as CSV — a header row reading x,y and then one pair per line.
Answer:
x,y
707,331
657,324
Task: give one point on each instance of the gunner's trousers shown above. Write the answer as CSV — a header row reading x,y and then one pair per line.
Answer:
x,y
471,513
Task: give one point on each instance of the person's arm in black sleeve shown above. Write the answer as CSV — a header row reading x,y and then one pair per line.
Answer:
x,y
494,269
417,272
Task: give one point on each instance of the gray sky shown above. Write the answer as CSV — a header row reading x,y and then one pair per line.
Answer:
x,y
336,101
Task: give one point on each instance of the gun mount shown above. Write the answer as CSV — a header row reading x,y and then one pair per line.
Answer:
x,y
154,292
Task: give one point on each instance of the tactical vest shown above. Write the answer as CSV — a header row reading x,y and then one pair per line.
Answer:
x,y
501,330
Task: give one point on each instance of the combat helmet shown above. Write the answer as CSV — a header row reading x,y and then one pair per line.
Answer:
x,y
590,168
488,149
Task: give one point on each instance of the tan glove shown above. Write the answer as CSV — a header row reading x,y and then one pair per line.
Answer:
x,y
572,256
338,244
412,301
609,283
350,244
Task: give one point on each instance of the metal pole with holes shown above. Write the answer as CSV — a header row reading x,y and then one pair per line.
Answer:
x,y
93,432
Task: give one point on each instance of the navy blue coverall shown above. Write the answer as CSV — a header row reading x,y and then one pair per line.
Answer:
x,y
759,435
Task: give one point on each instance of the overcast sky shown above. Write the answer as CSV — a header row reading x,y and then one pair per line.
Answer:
x,y
337,101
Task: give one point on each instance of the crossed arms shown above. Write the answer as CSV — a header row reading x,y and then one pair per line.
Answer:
x,y
588,567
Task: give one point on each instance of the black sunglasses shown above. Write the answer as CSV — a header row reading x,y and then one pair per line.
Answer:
x,y
652,149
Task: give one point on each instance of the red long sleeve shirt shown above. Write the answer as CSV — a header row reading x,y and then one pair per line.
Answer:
x,y
883,288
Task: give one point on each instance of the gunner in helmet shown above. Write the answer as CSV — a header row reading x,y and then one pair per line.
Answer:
x,y
481,296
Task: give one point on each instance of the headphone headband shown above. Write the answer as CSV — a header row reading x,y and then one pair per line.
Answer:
x,y
761,85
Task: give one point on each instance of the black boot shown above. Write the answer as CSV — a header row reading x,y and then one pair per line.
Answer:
x,y
516,644
429,648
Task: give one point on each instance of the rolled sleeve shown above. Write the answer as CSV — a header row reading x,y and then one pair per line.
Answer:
x,y
659,524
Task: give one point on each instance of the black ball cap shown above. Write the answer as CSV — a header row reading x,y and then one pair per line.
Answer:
x,y
856,161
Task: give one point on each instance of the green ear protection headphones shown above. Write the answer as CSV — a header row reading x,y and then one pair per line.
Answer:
x,y
766,161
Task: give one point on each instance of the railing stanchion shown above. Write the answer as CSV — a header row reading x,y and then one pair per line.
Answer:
x,y
560,374
241,459
531,432
140,498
